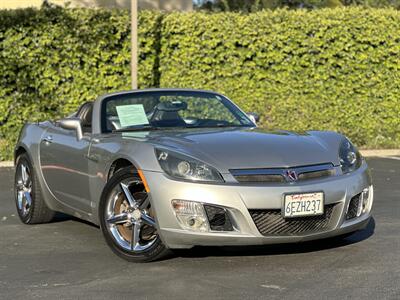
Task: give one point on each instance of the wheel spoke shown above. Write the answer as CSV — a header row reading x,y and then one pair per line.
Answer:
x,y
20,185
135,235
24,174
118,219
20,199
128,195
28,201
148,220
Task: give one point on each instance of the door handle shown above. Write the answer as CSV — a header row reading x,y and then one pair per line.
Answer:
x,y
48,139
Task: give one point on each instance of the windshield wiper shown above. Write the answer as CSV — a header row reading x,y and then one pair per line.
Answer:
x,y
217,126
137,128
151,128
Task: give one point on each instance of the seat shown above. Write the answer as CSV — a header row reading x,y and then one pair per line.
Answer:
x,y
113,123
168,119
166,114
85,114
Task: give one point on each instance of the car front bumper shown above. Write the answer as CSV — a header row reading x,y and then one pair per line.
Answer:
x,y
238,199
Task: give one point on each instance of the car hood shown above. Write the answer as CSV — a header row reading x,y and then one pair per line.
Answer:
x,y
251,148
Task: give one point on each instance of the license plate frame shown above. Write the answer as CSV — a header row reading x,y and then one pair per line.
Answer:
x,y
298,199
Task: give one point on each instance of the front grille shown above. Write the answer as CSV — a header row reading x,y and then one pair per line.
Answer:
x,y
354,205
260,178
218,218
279,175
316,174
271,222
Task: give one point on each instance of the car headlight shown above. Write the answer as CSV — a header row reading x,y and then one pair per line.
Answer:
x,y
183,167
350,158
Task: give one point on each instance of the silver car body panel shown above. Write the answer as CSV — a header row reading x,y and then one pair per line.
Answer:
x,y
73,173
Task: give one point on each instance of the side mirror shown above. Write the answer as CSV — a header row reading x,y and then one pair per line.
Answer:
x,y
254,117
72,124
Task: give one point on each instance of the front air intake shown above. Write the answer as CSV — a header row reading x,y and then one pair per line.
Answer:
x,y
354,207
271,222
218,218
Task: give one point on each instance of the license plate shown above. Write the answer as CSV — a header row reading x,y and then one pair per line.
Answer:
x,y
301,205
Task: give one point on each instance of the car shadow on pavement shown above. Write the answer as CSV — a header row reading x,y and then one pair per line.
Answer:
x,y
258,250
292,248
61,217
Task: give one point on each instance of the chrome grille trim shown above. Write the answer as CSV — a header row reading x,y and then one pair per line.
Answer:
x,y
267,175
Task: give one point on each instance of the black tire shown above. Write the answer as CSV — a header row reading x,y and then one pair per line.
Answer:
x,y
38,212
156,251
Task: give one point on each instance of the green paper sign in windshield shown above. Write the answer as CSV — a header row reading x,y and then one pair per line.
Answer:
x,y
132,115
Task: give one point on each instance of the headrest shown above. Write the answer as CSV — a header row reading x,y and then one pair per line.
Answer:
x,y
85,114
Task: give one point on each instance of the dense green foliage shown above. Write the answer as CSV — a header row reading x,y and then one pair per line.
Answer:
x,y
335,69
256,5
53,59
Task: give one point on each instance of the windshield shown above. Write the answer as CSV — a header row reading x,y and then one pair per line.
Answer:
x,y
170,109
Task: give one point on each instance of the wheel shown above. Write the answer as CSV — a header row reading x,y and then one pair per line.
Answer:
x,y
28,196
127,219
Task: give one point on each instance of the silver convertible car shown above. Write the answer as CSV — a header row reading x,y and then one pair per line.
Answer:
x,y
161,169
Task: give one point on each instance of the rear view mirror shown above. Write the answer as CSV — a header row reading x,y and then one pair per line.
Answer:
x,y
253,117
171,106
72,124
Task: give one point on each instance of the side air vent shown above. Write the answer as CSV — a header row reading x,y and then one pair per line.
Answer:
x,y
354,206
218,218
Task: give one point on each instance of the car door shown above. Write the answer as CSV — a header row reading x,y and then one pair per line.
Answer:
x,y
64,165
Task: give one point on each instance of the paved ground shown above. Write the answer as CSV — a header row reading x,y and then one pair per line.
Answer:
x,y
68,259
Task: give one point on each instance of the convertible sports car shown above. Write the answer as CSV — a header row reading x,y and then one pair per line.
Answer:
x,y
161,169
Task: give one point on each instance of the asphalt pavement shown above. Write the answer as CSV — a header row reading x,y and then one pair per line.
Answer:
x,y
68,259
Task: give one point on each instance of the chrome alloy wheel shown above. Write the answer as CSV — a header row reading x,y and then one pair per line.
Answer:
x,y
129,217
23,188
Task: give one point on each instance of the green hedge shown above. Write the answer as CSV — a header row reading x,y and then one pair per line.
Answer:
x,y
336,69
54,59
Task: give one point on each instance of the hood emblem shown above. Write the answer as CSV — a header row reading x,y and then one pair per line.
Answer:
x,y
291,175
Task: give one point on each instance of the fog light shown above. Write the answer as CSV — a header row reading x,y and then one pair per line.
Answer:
x,y
191,215
365,195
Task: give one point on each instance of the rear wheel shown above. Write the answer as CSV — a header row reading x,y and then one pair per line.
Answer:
x,y
128,220
28,196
